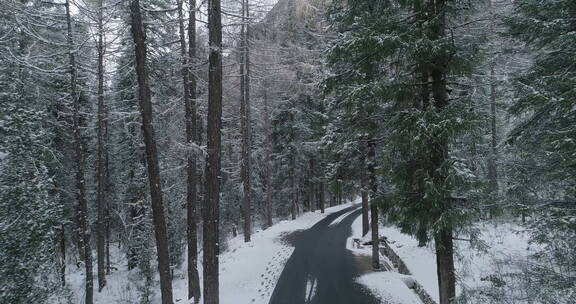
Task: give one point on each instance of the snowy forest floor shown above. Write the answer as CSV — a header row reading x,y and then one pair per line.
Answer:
x,y
488,265
248,271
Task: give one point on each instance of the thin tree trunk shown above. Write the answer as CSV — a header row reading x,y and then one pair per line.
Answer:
x,y
108,234
313,201
374,235
79,159
189,92
248,135
267,160
365,205
107,191
212,175
294,192
151,155
297,194
492,169
338,192
245,121
373,207
322,196
100,174
63,255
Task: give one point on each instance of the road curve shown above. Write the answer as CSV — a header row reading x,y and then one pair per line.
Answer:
x,y
321,270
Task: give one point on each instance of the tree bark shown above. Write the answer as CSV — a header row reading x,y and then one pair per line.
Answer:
x,y
365,205
212,175
492,169
313,201
79,160
62,255
374,235
373,207
322,200
293,190
339,191
100,170
192,168
144,97
445,265
267,160
107,189
189,95
245,121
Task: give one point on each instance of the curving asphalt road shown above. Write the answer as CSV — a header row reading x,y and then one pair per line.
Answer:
x,y
321,270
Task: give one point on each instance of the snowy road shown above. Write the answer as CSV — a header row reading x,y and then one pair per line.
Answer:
x,y
321,270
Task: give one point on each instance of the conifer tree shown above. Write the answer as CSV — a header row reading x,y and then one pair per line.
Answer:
x,y
383,67
545,136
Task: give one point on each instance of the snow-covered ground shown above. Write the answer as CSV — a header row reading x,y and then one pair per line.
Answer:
x,y
503,242
388,286
421,261
508,250
248,271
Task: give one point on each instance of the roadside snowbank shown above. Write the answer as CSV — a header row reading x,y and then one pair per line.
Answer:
x,y
389,287
421,261
503,241
475,268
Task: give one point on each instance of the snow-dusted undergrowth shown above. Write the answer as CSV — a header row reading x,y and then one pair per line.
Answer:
x,y
504,242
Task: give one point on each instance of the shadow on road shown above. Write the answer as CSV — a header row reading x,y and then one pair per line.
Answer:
x,y
321,270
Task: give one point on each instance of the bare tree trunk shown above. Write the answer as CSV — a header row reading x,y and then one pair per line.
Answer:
x,y
211,211
189,92
492,169
79,159
62,255
248,135
374,235
245,120
107,191
100,170
151,155
293,190
338,192
267,160
108,234
322,200
365,205
373,207
313,194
